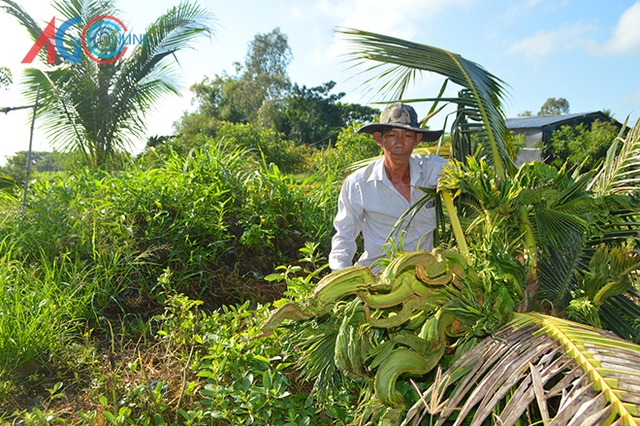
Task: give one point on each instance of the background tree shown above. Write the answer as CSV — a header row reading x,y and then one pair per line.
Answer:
x,y
268,58
41,162
260,92
98,108
5,77
247,95
314,116
554,106
526,113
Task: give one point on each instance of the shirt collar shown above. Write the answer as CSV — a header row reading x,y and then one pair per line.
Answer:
x,y
378,173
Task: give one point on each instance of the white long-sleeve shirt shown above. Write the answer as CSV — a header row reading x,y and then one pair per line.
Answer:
x,y
369,203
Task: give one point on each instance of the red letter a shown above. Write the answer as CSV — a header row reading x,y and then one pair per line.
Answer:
x,y
47,37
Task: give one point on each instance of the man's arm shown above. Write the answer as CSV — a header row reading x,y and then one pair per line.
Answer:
x,y
348,224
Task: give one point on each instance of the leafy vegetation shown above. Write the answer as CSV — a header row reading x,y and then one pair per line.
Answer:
x,y
529,239
160,267
261,93
580,146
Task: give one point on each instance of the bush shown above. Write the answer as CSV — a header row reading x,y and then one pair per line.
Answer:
x,y
350,148
580,146
220,217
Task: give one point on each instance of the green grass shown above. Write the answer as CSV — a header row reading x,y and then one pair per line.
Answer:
x,y
113,282
40,308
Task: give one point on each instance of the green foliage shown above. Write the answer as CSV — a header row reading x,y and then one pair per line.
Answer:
x,y
267,143
314,117
249,381
246,96
57,293
580,146
41,162
218,214
260,93
350,148
7,183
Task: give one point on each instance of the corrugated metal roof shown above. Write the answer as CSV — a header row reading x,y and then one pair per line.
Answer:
x,y
543,121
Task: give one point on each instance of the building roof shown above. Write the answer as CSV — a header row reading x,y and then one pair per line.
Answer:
x,y
549,120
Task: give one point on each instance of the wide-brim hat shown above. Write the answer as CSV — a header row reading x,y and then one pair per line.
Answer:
x,y
401,116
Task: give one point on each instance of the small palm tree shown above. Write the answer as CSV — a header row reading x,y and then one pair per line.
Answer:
x,y
98,108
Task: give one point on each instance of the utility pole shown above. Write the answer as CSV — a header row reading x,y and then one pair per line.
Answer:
x,y
33,122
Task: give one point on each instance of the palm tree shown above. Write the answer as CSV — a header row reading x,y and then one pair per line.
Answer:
x,y
95,107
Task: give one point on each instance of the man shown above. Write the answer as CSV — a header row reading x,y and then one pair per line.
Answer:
x,y
373,198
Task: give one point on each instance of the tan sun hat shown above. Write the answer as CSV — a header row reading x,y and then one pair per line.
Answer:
x,y
402,116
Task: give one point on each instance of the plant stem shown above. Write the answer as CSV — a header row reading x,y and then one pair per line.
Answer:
x,y
455,224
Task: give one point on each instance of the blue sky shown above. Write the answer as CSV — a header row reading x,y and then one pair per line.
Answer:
x,y
585,51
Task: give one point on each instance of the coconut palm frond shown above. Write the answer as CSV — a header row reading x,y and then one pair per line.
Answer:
x,y
620,172
479,104
622,315
559,270
7,182
538,367
14,9
554,227
58,104
145,76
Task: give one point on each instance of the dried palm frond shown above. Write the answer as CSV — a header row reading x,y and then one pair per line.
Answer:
x,y
539,369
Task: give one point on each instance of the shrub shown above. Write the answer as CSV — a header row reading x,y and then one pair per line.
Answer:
x,y
580,146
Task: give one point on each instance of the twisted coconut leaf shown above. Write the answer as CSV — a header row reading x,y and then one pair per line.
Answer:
x,y
539,367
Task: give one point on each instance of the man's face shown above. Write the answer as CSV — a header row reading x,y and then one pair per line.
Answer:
x,y
397,144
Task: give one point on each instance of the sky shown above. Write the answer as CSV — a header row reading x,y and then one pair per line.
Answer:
x,y
586,51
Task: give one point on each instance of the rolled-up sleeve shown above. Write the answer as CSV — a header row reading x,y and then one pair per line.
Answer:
x,y
348,224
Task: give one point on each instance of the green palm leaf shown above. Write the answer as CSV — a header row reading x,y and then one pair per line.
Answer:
x,y
7,182
620,172
14,9
620,314
559,269
399,62
539,367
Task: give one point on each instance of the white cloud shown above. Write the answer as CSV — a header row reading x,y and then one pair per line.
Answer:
x,y
633,98
402,19
544,43
626,36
